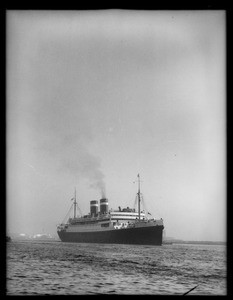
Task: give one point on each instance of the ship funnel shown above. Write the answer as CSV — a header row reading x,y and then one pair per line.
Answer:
x,y
94,207
103,205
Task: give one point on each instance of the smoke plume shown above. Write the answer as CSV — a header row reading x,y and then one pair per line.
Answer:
x,y
80,163
91,170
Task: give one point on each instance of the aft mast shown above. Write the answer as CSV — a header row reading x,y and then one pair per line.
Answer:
x,y
75,203
139,200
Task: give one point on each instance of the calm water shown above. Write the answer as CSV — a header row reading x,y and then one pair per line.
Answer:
x,y
55,268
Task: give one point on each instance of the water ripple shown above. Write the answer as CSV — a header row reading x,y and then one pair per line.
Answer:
x,y
55,268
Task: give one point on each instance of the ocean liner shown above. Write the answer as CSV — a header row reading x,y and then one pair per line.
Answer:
x,y
122,226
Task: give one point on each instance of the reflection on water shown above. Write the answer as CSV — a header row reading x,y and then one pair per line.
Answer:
x,y
55,268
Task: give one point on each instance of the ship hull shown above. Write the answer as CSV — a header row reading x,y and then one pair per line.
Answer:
x,y
142,236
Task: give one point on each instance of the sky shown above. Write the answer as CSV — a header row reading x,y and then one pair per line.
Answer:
x,y
96,97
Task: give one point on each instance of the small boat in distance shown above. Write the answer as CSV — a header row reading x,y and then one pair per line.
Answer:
x,y
122,226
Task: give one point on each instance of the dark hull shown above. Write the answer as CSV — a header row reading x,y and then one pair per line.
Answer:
x,y
142,236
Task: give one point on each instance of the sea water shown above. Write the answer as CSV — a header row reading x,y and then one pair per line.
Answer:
x,y
56,268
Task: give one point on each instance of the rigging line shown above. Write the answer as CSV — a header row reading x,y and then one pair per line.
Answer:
x,y
79,209
67,213
142,201
190,290
144,204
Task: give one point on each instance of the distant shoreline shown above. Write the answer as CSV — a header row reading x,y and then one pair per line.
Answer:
x,y
165,242
195,242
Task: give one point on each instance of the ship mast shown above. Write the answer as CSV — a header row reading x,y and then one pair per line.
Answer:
x,y
75,203
139,197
